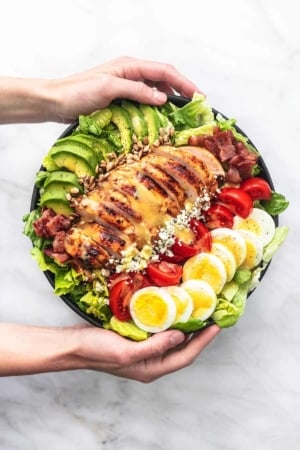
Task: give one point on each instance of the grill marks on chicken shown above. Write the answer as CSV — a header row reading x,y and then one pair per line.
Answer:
x,y
137,199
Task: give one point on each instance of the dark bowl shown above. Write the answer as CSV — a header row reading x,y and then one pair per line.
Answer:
x,y
178,101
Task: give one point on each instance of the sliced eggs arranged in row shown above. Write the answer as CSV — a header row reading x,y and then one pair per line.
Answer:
x,y
155,309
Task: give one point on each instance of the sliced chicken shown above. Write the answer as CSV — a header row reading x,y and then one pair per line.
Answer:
x,y
137,199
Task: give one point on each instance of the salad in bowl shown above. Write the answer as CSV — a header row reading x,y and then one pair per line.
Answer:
x,y
146,218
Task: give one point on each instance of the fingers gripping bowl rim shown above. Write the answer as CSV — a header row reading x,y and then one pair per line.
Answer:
x,y
178,101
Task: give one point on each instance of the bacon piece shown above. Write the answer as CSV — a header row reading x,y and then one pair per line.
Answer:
x,y
39,225
61,258
224,146
58,242
49,224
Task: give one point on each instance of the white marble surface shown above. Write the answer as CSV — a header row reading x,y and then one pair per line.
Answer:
x,y
244,391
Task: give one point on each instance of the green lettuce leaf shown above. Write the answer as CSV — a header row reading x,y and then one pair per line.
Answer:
x,y
226,314
192,115
276,205
278,239
182,137
95,122
95,305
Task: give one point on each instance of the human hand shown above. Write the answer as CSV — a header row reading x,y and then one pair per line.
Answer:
x,y
144,361
125,77
26,349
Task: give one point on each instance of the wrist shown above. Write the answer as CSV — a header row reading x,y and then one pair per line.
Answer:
x,y
25,100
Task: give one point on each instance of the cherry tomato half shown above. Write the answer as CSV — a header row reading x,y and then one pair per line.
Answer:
x,y
121,289
164,273
182,250
203,241
237,200
257,188
218,216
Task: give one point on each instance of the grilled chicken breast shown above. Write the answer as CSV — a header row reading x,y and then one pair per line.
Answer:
x,y
137,199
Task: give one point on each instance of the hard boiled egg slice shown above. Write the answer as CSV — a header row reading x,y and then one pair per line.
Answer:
x,y
254,249
203,296
206,267
259,222
183,301
152,309
227,258
232,240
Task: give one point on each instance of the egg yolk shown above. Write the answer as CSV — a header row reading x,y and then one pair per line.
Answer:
x,y
151,309
250,224
251,257
206,267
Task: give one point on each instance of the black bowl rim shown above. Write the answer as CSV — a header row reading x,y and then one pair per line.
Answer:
x,y
178,101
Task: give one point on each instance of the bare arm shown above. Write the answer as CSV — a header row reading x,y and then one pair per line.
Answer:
x,y
27,349
62,100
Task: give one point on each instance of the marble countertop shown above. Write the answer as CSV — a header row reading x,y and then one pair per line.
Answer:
x,y
244,390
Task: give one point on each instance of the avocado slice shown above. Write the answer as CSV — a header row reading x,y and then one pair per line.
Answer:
x,y
56,201
74,163
74,156
100,146
152,121
75,145
61,176
139,124
121,119
62,180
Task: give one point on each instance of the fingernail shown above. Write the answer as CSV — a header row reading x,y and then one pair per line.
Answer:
x,y
177,337
159,97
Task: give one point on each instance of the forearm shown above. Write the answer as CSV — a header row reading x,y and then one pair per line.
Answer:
x,y
25,100
27,349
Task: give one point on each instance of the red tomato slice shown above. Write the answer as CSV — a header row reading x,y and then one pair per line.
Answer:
x,y
164,273
257,188
203,241
182,250
218,216
121,289
237,200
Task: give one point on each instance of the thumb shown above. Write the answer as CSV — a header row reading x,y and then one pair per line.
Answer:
x,y
157,345
138,91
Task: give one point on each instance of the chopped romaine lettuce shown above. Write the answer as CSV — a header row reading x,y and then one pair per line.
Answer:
x,y
95,122
182,137
95,305
272,247
193,114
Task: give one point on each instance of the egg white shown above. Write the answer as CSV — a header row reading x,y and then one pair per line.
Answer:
x,y
206,267
254,249
183,301
227,258
203,296
232,240
259,222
